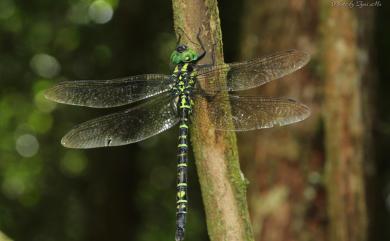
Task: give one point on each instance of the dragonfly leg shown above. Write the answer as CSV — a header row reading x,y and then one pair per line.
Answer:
x,y
179,38
204,53
201,45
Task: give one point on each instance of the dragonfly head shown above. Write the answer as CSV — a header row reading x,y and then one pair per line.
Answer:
x,y
183,54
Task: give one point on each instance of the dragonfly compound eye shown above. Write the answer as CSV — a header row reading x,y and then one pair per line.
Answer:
x,y
181,48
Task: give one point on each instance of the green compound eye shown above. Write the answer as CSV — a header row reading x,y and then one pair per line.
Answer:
x,y
187,55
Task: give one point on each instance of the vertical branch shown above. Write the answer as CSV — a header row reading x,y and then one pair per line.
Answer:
x,y
331,33
222,184
344,127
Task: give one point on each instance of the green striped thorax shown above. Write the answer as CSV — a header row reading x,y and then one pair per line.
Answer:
x,y
183,54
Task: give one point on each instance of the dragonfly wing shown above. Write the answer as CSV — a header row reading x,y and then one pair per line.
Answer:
x,y
125,127
253,112
109,93
253,73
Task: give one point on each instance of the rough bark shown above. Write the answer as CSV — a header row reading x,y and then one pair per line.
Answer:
x,y
222,184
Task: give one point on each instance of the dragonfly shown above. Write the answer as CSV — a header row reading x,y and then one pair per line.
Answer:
x,y
170,100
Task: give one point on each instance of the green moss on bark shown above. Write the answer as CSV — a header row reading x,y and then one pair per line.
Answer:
x,y
222,183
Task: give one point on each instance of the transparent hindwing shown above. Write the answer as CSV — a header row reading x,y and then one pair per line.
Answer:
x,y
125,127
251,112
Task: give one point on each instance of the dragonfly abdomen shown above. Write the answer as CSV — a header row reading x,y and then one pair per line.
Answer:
x,y
183,89
184,76
182,171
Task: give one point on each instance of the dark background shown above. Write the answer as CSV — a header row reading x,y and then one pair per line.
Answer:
x,y
48,192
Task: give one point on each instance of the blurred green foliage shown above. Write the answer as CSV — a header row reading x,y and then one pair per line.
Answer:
x,y
48,192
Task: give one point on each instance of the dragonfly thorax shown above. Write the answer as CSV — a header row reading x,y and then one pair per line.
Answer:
x,y
184,77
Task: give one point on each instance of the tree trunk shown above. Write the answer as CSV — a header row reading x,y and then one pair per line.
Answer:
x,y
345,130
307,181
222,184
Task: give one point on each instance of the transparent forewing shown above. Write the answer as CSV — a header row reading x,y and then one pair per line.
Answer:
x,y
125,127
253,112
109,93
253,73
